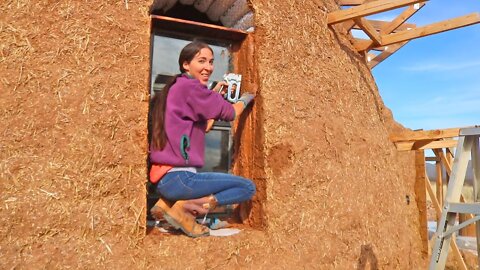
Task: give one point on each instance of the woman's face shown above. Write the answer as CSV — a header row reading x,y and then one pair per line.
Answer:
x,y
201,66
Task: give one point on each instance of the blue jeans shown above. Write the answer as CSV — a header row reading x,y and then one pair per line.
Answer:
x,y
226,188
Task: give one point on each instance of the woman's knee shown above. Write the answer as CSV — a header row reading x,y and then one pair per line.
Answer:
x,y
251,188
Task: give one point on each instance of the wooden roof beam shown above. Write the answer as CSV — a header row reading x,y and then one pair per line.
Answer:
x,y
361,44
348,25
393,25
425,144
425,134
400,19
369,30
431,29
369,56
369,8
383,48
379,25
350,2
387,52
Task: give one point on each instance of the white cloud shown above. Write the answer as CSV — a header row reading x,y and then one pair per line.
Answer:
x,y
441,106
438,67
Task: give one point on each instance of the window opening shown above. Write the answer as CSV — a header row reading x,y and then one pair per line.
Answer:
x,y
168,37
164,65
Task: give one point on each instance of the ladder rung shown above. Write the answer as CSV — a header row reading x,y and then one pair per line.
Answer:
x,y
470,131
459,226
463,208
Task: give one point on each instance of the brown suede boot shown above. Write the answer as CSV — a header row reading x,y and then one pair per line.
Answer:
x,y
160,208
178,218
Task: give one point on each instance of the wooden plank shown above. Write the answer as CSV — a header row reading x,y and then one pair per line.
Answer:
x,y
361,44
470,230
393,25
421,197
431,29
446,163
404,146
348,25
388,51
439,184
366,9
367,44
370,56
449,159
434,144
379,25
433,198
424,144
163,23
424,134
350,2
382,48
432,159
449,153
369,30
400,19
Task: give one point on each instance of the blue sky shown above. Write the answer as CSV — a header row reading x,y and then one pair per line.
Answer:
x,y
434,82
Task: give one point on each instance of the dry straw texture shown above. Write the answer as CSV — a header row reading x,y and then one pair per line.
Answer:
x,y
72,147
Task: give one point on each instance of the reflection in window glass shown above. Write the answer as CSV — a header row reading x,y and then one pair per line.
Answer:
x,y
218,148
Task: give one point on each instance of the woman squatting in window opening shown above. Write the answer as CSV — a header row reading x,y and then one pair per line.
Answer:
x,y
180,114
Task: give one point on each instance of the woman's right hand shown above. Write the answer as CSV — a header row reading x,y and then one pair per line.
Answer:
x,y
221,88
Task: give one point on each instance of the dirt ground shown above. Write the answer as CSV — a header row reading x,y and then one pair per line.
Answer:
x,y
73,108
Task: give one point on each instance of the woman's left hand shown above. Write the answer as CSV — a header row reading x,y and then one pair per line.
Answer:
x,y
209,125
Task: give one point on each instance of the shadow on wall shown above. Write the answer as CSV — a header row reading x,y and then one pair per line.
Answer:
x,y
367,258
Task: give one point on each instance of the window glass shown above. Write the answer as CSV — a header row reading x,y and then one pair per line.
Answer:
x,y
218,147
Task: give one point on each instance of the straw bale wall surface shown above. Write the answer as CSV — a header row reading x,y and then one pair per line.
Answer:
x,y
73,108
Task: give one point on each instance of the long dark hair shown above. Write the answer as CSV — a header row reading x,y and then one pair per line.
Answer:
x,y
159,101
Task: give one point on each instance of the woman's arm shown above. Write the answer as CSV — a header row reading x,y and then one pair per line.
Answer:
x,y
219,88
238,107
242,103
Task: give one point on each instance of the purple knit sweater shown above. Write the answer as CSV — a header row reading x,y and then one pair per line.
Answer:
x,y
189,105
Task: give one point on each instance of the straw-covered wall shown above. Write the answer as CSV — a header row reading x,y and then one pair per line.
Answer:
x,y
336,186
73,113
73,107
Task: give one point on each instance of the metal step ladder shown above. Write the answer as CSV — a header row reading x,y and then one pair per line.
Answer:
x,y
468,146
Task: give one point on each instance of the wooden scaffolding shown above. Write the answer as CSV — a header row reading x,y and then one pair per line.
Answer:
x,y
442,144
